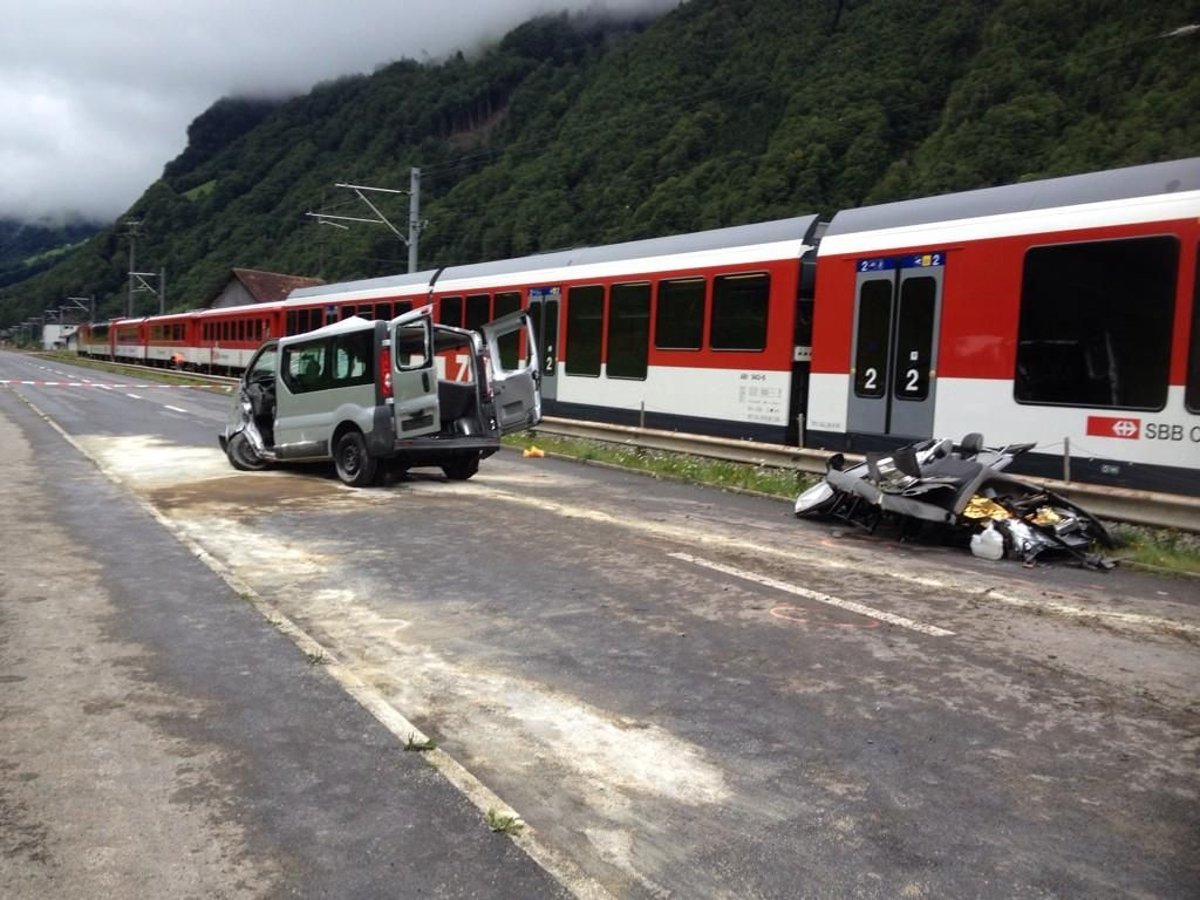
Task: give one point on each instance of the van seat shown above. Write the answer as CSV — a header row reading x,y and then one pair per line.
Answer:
x,y
455,400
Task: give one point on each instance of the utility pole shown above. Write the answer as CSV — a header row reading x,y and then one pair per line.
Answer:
x,y
79,302
137,280
415,225
414,216
132,225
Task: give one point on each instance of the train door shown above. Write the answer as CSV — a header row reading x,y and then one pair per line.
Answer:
x,y
897,313
543,310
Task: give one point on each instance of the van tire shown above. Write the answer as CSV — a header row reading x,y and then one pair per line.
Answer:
x,y
461,468
355,466
242,456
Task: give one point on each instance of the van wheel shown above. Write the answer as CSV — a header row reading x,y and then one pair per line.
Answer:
x,y
242,456
355,466
462,468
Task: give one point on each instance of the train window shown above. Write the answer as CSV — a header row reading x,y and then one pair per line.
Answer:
x,y
1095,323
510,344
585,329
679,318
628,330
452,311
871,342
352,358
508,302
739,312
383,311
348,310
914,339
1192,393
292,325
311,319
402,307
303,367
479,310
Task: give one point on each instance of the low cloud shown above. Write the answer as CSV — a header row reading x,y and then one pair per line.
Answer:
x,y
96,98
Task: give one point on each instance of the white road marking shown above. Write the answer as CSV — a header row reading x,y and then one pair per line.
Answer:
x,y
134,396
174,408
848,605
966,587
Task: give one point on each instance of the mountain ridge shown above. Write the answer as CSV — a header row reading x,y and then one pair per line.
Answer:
x,y
573,130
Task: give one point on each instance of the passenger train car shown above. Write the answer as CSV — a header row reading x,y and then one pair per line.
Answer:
x,y
1062,311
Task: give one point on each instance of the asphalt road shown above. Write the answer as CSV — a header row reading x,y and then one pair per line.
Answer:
x,y
681,692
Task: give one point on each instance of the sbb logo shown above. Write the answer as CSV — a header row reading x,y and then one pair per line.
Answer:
x,y
1108,426
1161,431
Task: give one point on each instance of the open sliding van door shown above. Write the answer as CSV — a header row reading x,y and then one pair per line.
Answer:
x,y
414,374
516,377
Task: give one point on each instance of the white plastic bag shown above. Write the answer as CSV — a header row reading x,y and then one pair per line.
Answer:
x,y
988,544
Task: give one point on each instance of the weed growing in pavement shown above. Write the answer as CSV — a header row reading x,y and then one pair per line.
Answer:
x,y
504,823
1157,549
420,746
316,657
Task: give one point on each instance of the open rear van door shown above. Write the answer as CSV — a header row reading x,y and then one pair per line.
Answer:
x,y
414,375
516,376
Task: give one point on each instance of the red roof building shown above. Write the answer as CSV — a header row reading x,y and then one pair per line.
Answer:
x,y
246,286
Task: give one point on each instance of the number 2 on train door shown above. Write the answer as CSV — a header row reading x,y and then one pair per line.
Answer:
x,y
894,356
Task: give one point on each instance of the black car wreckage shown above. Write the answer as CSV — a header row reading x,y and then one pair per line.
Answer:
x,y
960,487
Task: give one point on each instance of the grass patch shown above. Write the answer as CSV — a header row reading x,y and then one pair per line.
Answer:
x,y
1156,549
684,467
201,191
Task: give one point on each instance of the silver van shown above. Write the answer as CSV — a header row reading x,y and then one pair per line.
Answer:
x,y
376,395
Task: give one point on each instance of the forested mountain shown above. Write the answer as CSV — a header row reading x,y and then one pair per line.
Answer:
x,y
29,248
574,130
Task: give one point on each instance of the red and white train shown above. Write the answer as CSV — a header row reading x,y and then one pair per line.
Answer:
x,y
1064,311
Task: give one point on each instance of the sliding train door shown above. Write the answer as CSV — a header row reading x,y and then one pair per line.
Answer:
x,y
543,311
897,314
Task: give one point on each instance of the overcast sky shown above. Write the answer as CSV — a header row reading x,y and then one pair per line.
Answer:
x,y
96,95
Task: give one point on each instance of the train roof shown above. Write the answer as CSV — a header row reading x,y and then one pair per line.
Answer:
x,y
796,229
1094,187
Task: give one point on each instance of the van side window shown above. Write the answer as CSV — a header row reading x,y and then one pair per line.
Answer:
x,y
264,366
305,368
352,358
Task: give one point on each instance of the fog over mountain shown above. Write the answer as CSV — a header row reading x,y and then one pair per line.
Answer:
x,y
96,98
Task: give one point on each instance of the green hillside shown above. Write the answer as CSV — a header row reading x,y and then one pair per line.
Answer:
x,y
576,130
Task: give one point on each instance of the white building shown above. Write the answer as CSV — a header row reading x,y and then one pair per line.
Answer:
x,y
54,337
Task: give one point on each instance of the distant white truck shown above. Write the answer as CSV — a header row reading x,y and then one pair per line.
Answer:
x,y
56,337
